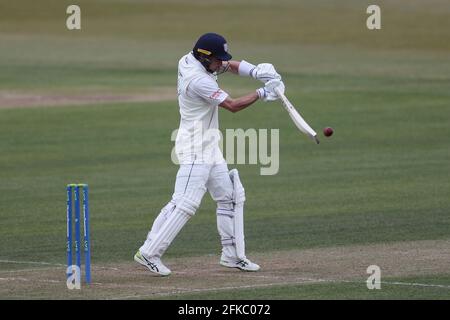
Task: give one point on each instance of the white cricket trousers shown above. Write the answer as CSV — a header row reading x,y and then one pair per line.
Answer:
x,y
199,178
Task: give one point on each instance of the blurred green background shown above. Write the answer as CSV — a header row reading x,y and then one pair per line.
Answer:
x,y
382,177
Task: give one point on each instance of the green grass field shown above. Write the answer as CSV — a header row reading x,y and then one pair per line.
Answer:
x,y
381,179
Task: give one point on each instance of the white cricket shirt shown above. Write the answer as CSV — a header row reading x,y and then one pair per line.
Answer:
x,y
198,97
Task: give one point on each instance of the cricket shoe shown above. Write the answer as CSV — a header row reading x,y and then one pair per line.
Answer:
x,y
243,264
154,264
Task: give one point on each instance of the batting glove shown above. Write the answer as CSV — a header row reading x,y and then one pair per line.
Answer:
x,y
267,93
265,72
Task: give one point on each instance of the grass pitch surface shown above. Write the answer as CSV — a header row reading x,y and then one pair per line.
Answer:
x,y
69,112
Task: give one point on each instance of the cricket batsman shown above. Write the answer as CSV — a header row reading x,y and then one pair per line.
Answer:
x,y
202,165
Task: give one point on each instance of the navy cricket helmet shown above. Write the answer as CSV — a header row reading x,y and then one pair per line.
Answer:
x,y
212,45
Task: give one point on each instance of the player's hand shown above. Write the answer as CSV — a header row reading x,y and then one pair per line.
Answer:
x,y
275,83
270,86
265,72
267,93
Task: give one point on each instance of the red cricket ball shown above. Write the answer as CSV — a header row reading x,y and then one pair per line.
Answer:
x,y
327,131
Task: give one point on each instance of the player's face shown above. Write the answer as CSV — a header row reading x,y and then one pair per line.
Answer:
x,y
215,65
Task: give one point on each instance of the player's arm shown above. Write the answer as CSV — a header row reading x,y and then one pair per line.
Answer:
x,y
262,72
265,93
238,104
231,66
208,89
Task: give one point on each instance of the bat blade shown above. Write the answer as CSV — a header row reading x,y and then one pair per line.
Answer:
x,y
298,120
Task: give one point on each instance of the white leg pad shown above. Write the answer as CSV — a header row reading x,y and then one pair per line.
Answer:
x,y
162,217
158,242
239,199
